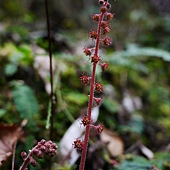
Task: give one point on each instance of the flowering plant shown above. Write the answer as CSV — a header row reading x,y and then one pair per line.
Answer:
x,y
98,36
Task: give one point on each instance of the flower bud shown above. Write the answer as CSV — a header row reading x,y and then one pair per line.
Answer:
x,y
104,24
101,2
104,66
106,30
85,121
93,34
103,9
78,144
42,141
96,17
87,51
108,6
99,87
109,16
95,59
85,79
97,100
33,162
23,155
100,128
107,41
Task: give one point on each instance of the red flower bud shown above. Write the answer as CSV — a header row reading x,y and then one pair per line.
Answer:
x,y
101,2
100,128
42,141
85,79
96,17
33,162
104,66
107,41
78,144
108,6
109,16
87,51
103,9
95,59
85,121
106,30
97,100
23,155
93,34
98,87
104,24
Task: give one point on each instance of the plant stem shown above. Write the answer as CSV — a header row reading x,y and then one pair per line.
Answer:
x,y
90,104
86,138
52,96
26,161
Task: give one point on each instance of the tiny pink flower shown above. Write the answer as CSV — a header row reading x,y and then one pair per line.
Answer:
x,y
99,87
107,41
100,128
85,79
95,59
97,100
104,66
85,121
87,51
93,34
96,17
78,144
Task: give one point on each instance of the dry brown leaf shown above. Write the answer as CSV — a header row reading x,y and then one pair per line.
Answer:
x,y
113,142
9,135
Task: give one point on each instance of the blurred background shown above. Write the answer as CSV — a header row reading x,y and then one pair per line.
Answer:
x,y
136,105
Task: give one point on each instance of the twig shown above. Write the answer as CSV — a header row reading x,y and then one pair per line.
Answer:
x,y
13,155
52,96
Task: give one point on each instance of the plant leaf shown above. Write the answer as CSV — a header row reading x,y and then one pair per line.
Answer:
x,y
25,101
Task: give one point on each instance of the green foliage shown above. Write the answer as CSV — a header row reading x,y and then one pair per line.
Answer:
x,y
2,112
143,70
10,69
76,98
130,58
17,56
135,125
111,105
161,161
25,101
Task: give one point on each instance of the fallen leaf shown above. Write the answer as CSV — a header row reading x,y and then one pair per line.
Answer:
x,y
113,142
9,135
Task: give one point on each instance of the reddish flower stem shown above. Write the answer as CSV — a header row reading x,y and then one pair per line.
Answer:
x,y
90,104
26,161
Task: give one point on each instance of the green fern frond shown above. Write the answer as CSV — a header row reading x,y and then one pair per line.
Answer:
x,y
25,101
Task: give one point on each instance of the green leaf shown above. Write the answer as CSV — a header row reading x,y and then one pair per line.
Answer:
x,y
2,112
111,105
10,69
135,51
136,125
140,164
161,161
77,98
25,101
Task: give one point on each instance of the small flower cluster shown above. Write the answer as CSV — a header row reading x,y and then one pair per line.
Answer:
x,y
42,148
102,19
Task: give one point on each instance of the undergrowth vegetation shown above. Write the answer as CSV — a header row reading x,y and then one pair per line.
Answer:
x,y
136,97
